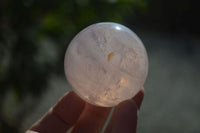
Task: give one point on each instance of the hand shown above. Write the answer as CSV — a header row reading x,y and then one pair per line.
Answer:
x,y
71,111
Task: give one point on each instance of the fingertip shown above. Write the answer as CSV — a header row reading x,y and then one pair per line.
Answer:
x,y
138,98
124,118
127,107
69,107
61,116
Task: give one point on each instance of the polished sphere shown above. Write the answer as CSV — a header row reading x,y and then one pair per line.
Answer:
x,y
106,63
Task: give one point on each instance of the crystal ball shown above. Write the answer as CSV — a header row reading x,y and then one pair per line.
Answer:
x,y
106,63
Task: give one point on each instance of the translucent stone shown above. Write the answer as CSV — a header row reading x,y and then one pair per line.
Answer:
x,y
106,63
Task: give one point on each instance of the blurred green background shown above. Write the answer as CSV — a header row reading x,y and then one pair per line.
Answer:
x,y
34,35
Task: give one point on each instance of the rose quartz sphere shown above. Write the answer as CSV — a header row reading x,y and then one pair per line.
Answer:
x,y
106,63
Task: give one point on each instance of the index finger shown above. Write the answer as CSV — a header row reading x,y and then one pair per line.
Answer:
x,y
62,116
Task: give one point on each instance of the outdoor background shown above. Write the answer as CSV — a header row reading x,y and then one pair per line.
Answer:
x,y
34,35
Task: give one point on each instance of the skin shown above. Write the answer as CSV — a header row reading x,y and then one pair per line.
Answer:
x,y
71,111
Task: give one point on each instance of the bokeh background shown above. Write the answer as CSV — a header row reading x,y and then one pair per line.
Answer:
x,y
34,35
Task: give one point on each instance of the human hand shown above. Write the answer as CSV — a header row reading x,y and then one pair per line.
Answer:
x,y
71,111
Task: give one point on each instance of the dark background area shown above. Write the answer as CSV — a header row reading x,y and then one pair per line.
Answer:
x,y
34,36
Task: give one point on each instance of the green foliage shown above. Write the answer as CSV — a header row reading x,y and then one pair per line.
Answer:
x,y
26,59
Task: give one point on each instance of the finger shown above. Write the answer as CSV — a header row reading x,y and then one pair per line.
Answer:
x,y
92,119
69,108
138,98
62,116
124,117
